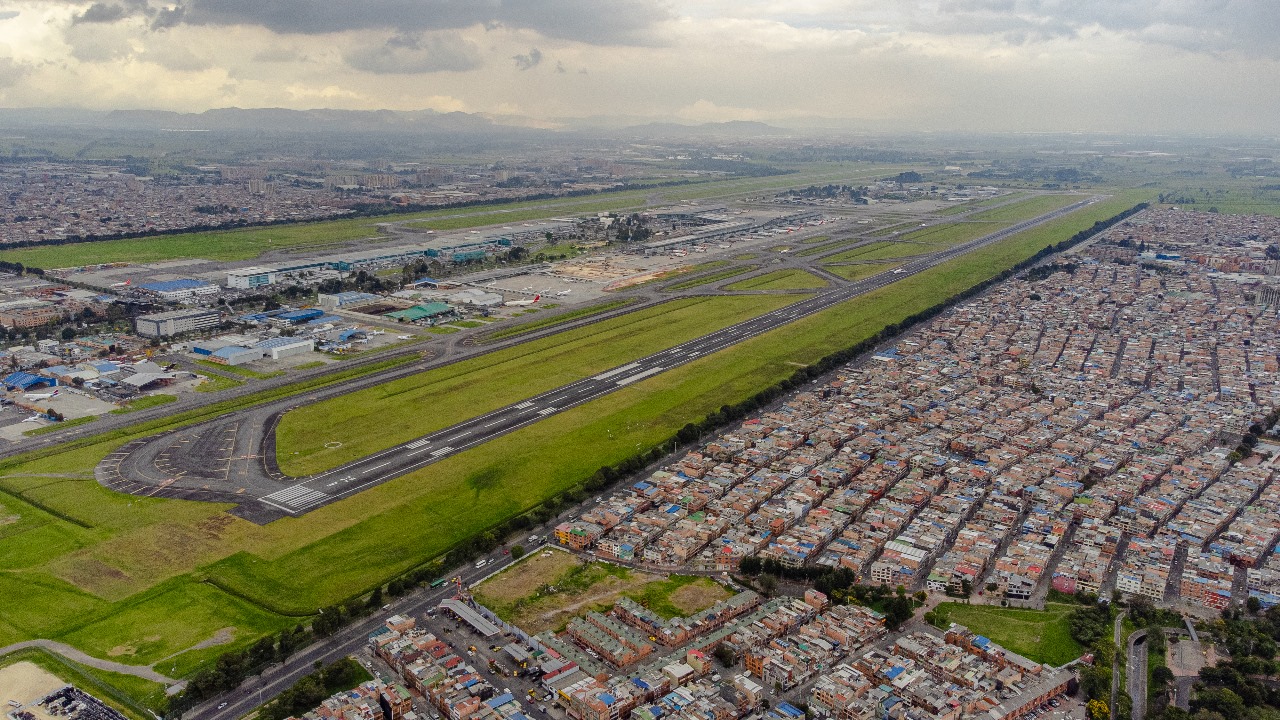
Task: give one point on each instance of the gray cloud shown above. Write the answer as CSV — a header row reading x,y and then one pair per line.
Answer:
x,y
530,61
9,14
410,53
589,21
12,71
1209,26
101,12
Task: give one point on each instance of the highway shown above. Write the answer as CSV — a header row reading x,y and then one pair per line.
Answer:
x,y
146,467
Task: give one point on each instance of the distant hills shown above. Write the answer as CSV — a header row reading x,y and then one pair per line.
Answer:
x,y
356,121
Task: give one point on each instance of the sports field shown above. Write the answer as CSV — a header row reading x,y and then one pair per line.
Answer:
x,y
1042,635
108,572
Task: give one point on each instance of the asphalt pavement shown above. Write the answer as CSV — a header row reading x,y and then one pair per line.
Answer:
x,y
223,461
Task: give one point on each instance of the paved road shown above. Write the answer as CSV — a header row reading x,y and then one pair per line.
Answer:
x,y
347,641
229,461
1137,673
73,654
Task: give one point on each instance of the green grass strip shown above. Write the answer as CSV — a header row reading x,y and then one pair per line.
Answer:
x,y
61,425
714,277
559,319
241,371
144,402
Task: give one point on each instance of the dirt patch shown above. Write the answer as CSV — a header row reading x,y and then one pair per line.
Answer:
x,y
698,596
525,577
546,591
120,650
26,682
1186,658
9,519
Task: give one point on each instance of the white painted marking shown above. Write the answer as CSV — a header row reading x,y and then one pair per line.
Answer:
x,y
442,451
640,376
615,371
418,443
376,467
525,404
546,411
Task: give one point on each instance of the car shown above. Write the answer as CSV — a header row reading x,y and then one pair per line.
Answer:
x,y
222,705
542,708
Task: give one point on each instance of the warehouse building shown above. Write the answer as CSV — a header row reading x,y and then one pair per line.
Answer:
x,y
176,322
283,347
236,355
180,289
418,313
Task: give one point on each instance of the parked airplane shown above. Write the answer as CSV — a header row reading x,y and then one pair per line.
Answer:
x,y
564,292
34,418
122,284
41,396
898,270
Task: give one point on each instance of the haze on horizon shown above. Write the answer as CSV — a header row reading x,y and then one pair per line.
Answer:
x,y
1161,66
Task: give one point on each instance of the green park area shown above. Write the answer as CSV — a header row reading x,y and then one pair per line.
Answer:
x,y
780,280
547,590
173,583
1042,635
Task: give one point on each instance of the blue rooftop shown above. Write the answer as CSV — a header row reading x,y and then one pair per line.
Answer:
x,y
171,285
499,701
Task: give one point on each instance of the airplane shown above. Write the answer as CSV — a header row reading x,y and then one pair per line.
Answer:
x,y
122,284
898,270
34,418
41,396
404,337
537,297
378,332
564,292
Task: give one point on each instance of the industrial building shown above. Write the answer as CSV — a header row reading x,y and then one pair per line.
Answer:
x,y
176,322
283,347
180,289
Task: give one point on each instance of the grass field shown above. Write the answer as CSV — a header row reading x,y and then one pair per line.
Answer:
x,y
214,382
1026,209
780,280
239,370
713,277
550,588
85,562
857,272
558,319
877,251
975,204
1042,635
385,415
144,402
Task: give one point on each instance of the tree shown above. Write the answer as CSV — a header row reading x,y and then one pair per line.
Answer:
x,y
725,655
769,583
1098,710
68,333
517,552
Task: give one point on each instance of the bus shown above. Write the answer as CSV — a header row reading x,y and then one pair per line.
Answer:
x,y
439,582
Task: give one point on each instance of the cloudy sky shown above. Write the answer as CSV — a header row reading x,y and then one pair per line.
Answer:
x,y
1123,65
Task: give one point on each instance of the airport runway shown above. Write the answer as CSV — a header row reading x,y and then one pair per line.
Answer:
x,y
231,460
